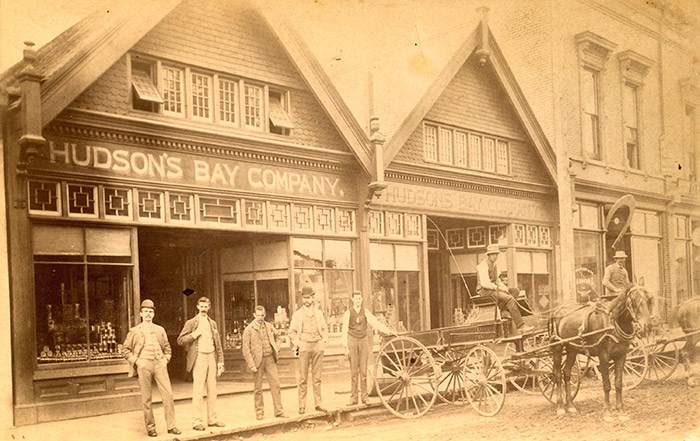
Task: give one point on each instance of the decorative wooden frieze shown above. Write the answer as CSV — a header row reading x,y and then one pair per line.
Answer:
x,y
180,207
455,238
476,237
278,215
413,226
498,234
375,222
433,239
44,198
81,200
117,203
325,219
302,217
519,235
150,205
394,224
345,220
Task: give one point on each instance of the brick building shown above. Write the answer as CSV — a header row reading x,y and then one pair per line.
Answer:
x,y
238,151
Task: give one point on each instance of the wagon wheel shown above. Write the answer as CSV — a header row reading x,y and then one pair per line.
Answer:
x,y
523,375
545,379
636,365
450,387
405,376
663,354
485,380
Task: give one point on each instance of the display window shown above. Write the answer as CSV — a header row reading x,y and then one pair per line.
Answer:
x,y
83,280
327,265
396,286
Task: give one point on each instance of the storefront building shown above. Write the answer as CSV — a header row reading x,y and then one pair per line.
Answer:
x,y
171,169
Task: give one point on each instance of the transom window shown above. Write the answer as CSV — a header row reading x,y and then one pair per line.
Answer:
x,y
455,147
208,97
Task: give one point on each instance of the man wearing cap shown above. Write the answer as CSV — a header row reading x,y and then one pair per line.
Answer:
x,y
205,358
615,278
309,333
356,344
489,283
148,352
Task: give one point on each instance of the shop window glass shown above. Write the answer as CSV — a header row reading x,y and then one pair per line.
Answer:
x,y
395,295
590,218
308,253
338,254
680,265
588,258
381,256
533,277
67,330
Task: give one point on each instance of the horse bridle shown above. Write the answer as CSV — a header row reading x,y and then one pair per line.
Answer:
x,y
632,308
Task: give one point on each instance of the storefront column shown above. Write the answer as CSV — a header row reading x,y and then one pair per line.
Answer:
x,y
668,301
5,316
363,268
564,247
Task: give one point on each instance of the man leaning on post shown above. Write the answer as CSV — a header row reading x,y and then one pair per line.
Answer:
x,y
148,352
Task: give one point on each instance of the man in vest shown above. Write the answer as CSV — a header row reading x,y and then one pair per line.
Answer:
x,y
356,344
148,352
205,358
615,278
309,333
260,352
490,284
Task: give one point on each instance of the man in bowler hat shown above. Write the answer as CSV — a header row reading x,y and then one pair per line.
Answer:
x,y
309,333
148,352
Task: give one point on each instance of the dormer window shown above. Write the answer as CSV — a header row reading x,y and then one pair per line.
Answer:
x,y
194,94
145,94
280,123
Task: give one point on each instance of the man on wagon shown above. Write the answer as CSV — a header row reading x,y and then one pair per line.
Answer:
x,y
615,278
490,284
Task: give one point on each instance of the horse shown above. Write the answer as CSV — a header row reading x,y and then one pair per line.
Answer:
x,y
615,325
689,318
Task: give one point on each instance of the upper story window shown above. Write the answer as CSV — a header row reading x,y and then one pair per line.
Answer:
x,y
209,97
633,69
449,146
590,116
201,96
631,124
593,53
689,143
172,89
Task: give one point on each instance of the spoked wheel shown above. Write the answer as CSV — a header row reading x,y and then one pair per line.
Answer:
x,y
451,384
522,371
663,354
636,365
406,377
545,379
485,381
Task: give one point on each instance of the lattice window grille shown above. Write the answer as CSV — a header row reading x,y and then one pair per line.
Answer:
x,y
394,224
455,238
498,234
532,235
82,200
117,202
413,226
476,237
519,234
278,215
375,223
255,213
545,237
180,207
325,219
302,217
44,197
150,205
345,220
219,210
433,239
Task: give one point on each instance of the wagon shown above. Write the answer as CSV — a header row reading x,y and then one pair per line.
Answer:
x,y
461,364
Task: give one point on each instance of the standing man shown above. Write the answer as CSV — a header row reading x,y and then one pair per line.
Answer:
x,y
148,352
261,352
490,284
205,358
309,333
615,278
356,344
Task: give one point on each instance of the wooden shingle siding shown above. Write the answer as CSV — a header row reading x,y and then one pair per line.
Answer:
x,y
228,40
475,100
238,44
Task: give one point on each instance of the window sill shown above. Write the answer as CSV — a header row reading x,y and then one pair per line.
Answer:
x,y
81,369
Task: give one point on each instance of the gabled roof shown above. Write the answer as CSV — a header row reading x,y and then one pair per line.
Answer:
x,y
393,59
78,56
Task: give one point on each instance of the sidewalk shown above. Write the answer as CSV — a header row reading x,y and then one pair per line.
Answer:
x,y
235,409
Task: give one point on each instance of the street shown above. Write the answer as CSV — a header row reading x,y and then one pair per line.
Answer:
x,y
657,410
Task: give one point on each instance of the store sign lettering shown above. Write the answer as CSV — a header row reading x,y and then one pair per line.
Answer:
x,y
458,202
166,167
